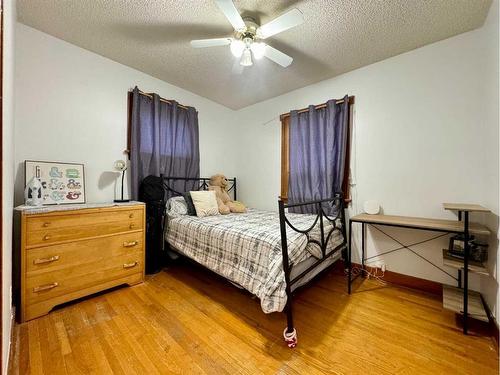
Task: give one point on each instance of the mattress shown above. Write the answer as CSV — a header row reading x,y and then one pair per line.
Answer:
x,y
246,249
302,266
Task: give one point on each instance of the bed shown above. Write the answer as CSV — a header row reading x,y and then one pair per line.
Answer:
x,y
270,254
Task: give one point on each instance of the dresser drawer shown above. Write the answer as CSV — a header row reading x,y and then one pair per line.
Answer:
x,y
55,257
54,235
73,219
43,286
35,310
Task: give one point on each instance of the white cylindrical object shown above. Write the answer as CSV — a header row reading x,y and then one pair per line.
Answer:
x,y
371,207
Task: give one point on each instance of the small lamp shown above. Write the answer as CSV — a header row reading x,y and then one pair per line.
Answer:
x,y
121,166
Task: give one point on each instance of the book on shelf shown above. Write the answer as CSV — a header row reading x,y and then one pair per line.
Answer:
x,y
453,256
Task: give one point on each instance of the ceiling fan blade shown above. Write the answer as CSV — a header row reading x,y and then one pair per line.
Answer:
x,y
203,43
284,22
227,7
278,57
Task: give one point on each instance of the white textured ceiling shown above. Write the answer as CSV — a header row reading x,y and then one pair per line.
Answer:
x,y
337,36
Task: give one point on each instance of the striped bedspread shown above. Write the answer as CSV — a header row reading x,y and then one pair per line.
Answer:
x,y
246,248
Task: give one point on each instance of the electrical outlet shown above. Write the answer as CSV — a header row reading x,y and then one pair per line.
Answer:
x,y
382,267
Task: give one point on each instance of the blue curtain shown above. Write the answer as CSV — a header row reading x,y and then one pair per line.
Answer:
x,y
164,140
318,142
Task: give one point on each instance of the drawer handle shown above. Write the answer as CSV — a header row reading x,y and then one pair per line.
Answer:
x,y
46,260
46,237
41,288
130,265
131,226
131,215
45,225
130,244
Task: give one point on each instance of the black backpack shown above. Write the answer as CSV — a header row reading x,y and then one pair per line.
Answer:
x,y
152,192
151,189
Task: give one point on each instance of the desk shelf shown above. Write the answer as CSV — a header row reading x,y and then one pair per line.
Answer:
x,y
465,207
440,225
459,264
453,300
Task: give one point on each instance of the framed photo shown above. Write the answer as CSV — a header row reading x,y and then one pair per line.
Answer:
x,y
62,183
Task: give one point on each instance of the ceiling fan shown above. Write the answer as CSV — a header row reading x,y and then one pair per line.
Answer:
x,y
248,35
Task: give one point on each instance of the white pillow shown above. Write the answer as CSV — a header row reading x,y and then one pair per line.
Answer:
x,y
176,206
205,203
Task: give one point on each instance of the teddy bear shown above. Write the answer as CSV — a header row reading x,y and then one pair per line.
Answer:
x,y
218,183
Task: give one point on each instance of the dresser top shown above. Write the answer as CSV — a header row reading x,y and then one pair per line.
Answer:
x,y
31,210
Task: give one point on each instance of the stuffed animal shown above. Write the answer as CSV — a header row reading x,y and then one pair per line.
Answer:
x,y
218,183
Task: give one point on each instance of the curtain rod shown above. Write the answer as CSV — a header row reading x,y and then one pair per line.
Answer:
x,y
149,95
319,106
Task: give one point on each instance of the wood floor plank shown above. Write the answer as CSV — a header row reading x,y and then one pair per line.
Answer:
x,y
35,350
52,359
81,359
113,362
63,338
186,320
199,346
163,351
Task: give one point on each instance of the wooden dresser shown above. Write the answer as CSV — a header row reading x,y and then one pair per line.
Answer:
x,y
64,253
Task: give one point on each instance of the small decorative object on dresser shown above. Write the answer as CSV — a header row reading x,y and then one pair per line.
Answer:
x,y
62,183
121,166
33,192
68,252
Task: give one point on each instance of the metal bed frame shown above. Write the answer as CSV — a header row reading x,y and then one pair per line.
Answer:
x,y
336,204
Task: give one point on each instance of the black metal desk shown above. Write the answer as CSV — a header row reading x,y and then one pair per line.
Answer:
x,y
444,227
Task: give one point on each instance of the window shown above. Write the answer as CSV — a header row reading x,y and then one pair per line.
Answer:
x,y
163,139
285,152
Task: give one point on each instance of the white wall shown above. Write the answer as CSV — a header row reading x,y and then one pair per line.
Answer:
x,y
72,106
425,132
9,21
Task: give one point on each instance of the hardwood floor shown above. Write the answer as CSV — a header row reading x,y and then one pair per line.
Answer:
x,y
187,320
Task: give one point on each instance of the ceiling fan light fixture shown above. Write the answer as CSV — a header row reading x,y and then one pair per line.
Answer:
x,y
258,49
248,36
237,47
246,58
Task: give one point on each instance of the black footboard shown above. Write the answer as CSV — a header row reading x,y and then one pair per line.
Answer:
x,y
336,223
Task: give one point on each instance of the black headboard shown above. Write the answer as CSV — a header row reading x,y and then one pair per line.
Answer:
x,y
192,184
